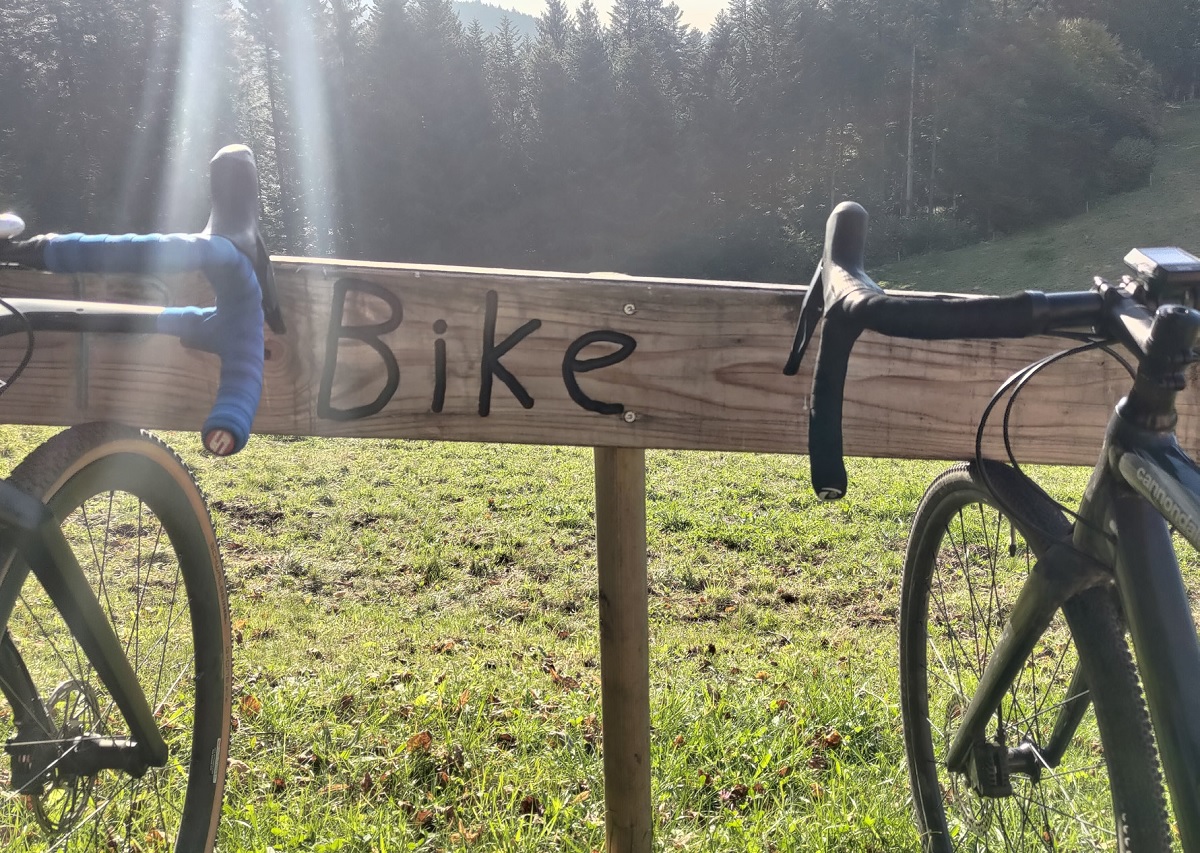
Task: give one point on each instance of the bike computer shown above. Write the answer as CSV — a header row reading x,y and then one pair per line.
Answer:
x,y
1165,266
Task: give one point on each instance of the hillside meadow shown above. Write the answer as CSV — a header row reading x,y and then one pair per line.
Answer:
x,y
1066,254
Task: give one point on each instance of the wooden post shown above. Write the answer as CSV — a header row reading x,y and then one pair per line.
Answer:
x,y
624,646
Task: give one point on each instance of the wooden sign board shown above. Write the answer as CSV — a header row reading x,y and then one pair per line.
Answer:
x,y
460,354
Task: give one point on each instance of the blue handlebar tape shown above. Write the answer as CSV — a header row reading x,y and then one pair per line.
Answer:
x,y
233,329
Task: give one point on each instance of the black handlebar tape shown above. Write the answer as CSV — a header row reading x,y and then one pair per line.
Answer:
x,y
849,288
30,252
853,302
841,276
825,457
925,319
1016,316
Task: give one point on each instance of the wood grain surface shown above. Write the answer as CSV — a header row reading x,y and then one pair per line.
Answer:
x,y
459,354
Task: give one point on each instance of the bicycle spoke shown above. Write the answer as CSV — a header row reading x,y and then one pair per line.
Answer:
x,y
993,555
966,573
1062,703
48,637
947,620
162,663
1072,817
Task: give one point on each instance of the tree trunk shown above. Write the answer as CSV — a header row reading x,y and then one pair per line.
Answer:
x,y
288,203
933,140
912,100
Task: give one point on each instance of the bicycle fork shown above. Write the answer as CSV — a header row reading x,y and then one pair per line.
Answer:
x,y
42,749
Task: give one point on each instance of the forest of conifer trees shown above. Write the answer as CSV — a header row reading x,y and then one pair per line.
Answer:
x,y
387,130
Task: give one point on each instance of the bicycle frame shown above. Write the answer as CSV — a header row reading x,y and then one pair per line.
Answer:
x,y
64,315
1142,481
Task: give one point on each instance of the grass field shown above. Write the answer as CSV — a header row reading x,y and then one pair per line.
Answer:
x,y
418,666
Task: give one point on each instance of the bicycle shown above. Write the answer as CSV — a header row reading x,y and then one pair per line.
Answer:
x,y
1025,723
115,659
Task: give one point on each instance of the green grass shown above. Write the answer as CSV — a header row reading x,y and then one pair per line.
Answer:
x,y
417,664
451,590
1065,255
418,667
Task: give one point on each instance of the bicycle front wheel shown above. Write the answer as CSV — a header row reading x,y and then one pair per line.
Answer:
x,y
140,529
1059,767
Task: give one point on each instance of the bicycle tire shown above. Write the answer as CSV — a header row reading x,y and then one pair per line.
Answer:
x,y
1081,804
180,649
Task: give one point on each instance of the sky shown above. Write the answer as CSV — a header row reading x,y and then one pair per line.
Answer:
x,y
697,13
